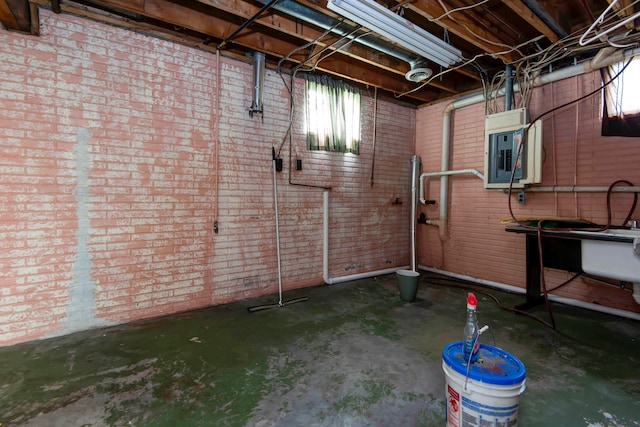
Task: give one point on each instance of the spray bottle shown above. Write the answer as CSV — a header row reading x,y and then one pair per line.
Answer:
x,y
471,341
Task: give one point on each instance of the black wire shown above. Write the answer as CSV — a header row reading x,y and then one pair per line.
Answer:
x,y
526,131
633,206
462,285
545,292
566,282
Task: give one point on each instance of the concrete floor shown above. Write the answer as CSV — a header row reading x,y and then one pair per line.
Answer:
x,y
354,355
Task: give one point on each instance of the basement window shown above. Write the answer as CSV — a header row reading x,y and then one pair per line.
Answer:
x,y
621,104
332,115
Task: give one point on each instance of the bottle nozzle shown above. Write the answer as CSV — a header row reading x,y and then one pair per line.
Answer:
x,y
471,299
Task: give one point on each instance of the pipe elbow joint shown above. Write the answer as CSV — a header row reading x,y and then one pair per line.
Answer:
x,y
441,223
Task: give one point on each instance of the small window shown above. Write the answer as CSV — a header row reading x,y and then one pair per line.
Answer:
x,y
621,104
332,115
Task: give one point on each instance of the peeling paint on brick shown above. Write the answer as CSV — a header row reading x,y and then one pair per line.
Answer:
x,y
82,288
110,192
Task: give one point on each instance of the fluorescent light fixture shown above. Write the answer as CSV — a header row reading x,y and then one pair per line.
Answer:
x,y
383,21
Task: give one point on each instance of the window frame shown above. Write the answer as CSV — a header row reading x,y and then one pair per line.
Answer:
x,y
332,115
615,120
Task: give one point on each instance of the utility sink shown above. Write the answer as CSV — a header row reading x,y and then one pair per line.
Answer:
x,y
613,253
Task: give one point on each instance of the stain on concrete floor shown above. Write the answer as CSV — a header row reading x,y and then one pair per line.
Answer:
x,y
354,354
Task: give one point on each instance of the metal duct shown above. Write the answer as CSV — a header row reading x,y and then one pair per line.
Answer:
x,y
307,14
258,83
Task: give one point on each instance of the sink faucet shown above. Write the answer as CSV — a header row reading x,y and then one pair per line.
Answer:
x,y
634,225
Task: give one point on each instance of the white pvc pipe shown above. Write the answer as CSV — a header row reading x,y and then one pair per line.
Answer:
x,y
445,173
366,275
325,253
582,189
275,200
444,166
599,61
555,298
595,307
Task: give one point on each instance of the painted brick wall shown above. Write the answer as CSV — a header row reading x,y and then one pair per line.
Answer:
x,y
109,183
574,154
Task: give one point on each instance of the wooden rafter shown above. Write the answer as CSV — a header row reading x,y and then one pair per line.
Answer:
x,y
6,16
297,29
187,18
624,8
527,14
465,28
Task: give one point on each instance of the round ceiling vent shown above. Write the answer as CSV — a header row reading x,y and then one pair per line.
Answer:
x,y
418,74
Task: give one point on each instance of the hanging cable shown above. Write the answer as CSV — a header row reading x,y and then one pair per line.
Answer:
x,y
526,131
539,227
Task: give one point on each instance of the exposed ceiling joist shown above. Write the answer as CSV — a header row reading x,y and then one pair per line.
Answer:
x,y
533,19
489,33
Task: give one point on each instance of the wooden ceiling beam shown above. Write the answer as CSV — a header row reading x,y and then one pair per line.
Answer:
x,y
14,15
298,29
291,27
625,9
528,15
462,26
6,16
188,18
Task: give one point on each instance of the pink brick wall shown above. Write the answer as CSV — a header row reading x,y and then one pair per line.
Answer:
x,y
575,154
108,183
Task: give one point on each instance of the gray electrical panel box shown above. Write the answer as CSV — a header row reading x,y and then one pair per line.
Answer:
x,y
503,148
506,152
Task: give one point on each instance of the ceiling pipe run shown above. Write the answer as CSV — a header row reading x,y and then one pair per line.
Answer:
x,y
311,16
597,62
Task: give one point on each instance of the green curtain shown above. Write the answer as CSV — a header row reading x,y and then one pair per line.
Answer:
x,y
332,115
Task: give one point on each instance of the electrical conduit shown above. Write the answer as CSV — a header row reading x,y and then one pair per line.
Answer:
x,y
604,58
601,60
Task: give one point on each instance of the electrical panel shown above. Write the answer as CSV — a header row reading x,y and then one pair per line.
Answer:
x,y
504,133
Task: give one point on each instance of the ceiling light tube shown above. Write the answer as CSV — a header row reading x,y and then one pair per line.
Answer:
x,y
383,21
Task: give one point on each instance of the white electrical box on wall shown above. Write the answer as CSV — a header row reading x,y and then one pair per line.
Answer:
x,y
503,134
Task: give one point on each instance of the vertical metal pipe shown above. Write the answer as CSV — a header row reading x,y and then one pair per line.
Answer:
x,y
415,171
258,83
508,95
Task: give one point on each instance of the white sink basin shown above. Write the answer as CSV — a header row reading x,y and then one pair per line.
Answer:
x,y
618,260
611,233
